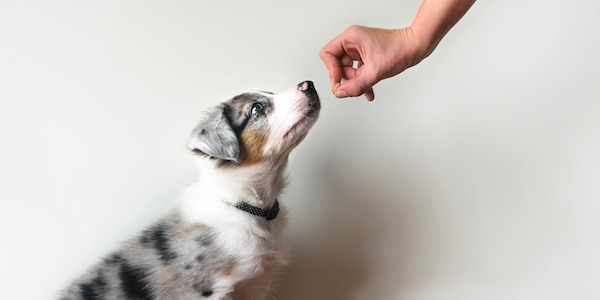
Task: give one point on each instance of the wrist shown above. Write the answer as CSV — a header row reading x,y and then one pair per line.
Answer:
x,y
424,41
412,48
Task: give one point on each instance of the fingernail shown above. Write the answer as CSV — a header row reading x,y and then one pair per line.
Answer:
x,y
341,94
335,87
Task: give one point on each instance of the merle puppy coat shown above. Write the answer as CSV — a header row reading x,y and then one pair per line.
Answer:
x,y
223,239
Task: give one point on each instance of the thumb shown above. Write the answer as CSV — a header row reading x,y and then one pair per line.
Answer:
x,y
358,85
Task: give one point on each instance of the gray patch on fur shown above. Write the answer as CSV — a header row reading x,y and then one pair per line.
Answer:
x,y
138,271
215,137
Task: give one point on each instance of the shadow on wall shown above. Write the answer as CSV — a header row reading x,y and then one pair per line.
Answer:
x,y
352,240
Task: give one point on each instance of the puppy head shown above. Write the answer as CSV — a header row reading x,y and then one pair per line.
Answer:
x,y
257,126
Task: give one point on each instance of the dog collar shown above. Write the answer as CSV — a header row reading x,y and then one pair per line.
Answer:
x,y
268,214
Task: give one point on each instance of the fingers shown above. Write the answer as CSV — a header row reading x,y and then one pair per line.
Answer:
x,y
339,56
354,88
334,66
370,94
332,55
357,81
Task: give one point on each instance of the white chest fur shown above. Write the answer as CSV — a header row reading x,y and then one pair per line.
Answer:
x,y
252,242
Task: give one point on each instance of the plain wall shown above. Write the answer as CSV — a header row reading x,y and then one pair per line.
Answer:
x,y
474,175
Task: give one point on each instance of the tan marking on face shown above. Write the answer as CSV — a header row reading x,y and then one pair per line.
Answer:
x,y
228,269
253,146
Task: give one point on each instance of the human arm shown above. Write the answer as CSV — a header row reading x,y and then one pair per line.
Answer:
x,y
383,53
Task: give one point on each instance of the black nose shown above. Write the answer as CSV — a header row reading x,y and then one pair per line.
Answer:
x,y
306,86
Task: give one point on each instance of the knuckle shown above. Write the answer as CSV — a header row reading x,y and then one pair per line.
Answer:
x,y
323,53
354,29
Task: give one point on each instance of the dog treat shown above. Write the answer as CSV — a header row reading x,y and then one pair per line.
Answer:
x,y
335,87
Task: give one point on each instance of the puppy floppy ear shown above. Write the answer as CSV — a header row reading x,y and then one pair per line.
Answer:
x,y
215,137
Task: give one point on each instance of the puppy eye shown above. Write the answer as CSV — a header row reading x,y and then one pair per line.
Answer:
x,y
257,109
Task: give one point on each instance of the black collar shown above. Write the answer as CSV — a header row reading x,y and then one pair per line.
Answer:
x,y
268,214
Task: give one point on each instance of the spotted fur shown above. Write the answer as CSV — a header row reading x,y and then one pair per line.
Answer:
x,y
206,248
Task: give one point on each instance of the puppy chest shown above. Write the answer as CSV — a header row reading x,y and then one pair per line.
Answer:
x,y
253,251
230,251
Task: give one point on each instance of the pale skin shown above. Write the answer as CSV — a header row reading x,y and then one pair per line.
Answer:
x,y
361,56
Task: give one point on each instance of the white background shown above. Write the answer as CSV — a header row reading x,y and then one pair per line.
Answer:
x,y
474,175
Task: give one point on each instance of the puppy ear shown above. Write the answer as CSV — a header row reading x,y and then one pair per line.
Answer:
x,y
215,137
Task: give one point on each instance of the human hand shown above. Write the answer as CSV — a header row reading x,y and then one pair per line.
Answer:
x,y
362,56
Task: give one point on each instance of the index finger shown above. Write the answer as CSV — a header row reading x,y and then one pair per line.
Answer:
x,y
331,55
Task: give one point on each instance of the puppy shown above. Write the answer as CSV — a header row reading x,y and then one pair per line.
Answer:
x,y
223,239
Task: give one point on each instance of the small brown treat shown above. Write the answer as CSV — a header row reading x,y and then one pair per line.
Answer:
x,y
335,87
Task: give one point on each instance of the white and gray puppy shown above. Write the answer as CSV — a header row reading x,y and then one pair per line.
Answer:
x,y
223,239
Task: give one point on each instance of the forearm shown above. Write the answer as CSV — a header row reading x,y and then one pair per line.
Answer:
x,y
435,18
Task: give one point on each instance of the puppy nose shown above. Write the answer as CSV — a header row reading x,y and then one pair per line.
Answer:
x,y
306,86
